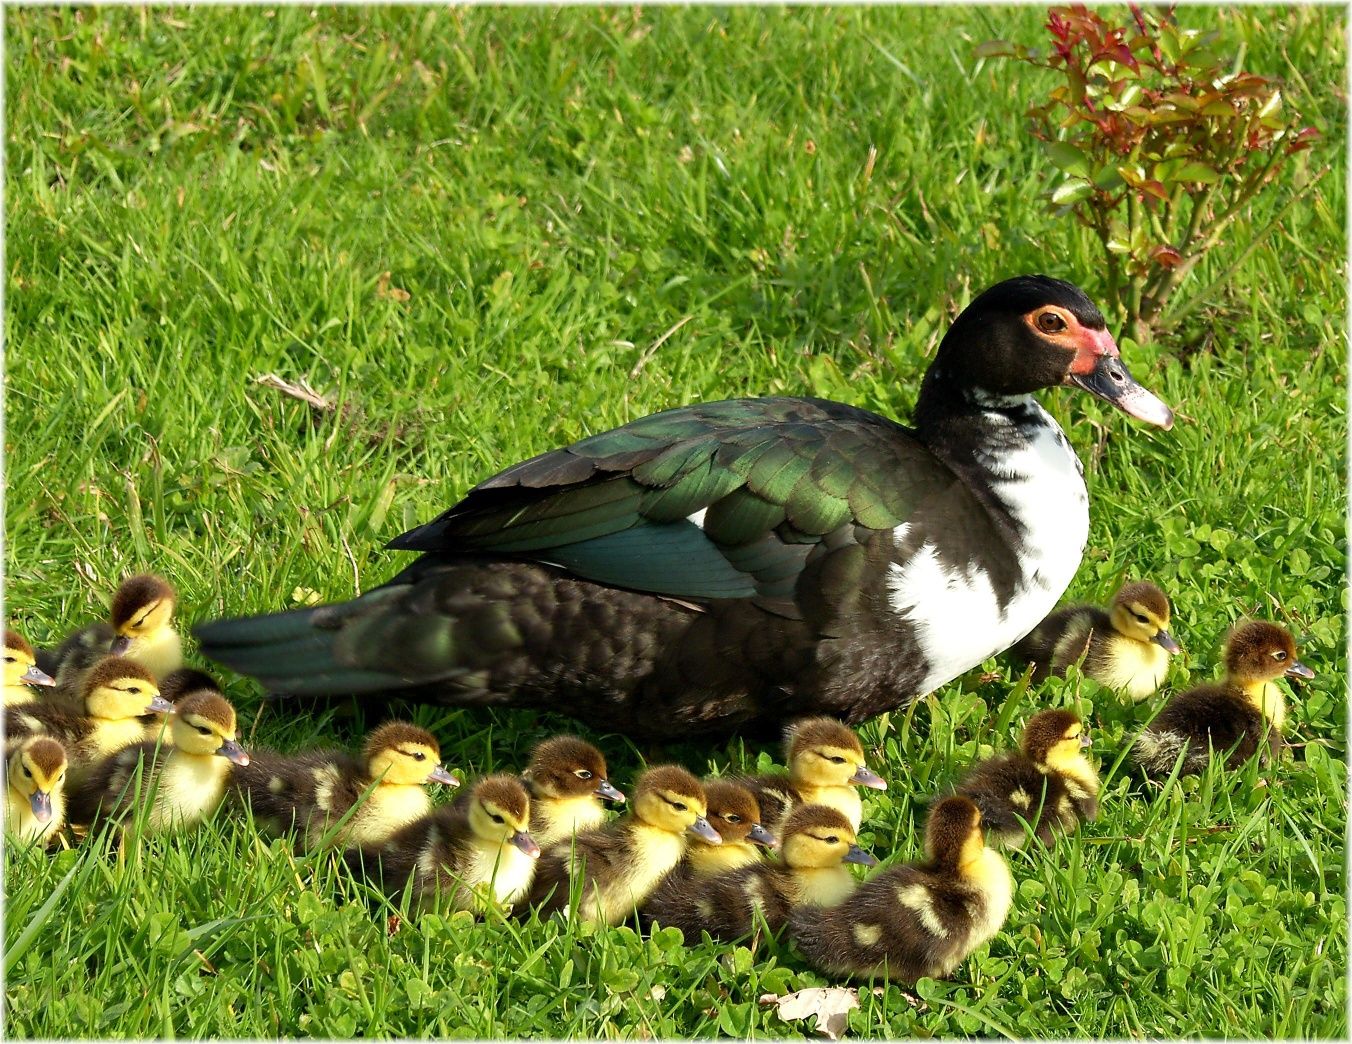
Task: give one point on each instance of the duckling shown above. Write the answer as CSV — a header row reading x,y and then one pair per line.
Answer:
x,y
818,842
116,693
567,781
140,626
917,920
733,813
1242,714
178,683
468,856
617,866
383,791
1049,782
826,764
22,671
181,784
1127,647
35,797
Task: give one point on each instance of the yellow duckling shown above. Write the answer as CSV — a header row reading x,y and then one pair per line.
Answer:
x,y
1243,715
567,781
818,842
469,856
22,671
616,867
826,765
922,919
735,817
117,694
140,626
384,790
180,784
35,799
1126,647
1049,783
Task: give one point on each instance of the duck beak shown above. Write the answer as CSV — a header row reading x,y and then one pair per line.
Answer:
x,y
159,705
702,830
1099,370
1085,741
120,645
1299,670
608,790
42,805
35,675
234,752
758,835
1165,641
526,843
441,775
858,855
866,777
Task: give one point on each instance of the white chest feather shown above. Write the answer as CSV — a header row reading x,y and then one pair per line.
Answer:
x,y
654,854
159,653
558,819
823,886
845,800
1136,668
957,618
190,786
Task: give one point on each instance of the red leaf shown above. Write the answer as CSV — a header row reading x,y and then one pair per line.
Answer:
x,y
1166,257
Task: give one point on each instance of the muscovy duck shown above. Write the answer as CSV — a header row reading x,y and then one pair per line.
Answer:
x,y
737,564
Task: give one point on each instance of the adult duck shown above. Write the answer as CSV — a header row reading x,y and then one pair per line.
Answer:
x,y
739,563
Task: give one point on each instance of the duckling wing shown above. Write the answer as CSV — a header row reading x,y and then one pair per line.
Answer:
x,y
1008,788
723,905
1060,640
774,794
1206,718
113,786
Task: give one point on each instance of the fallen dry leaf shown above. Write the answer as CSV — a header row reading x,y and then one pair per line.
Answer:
x,y
832,1006
296,389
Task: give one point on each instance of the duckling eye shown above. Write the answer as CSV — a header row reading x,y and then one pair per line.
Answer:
x,y
583,774
833,840
203,730
678,806
11,659
496,818
419,756
836,760
28,774
1279,655
733,817
1140,617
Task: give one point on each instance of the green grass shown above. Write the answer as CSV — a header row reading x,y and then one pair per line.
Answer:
x,y
596,214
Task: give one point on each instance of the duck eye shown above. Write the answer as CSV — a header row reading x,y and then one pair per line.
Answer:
x,y
733,817
1050,322
27,773
496,818
583,774
1279,655
419,756
833,840
678,806
837,760
11,659
1140,617
203,730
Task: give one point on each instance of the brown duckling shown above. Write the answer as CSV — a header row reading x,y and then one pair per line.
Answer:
x,y
468,856
378,793
917,920
180,784
140,626
567,781
1125,647
818,842
616,867
1244,714
1049,782
35,798
22,671
117,694
733,813
826,765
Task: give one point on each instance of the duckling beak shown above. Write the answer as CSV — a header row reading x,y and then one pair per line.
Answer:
x,y
526,843
1299,670
758,835
858,855
606,789
234,752
441,775
1165,641
120,645
42,805
866,777
702,830
1099,370
1085,741
35,675
160,705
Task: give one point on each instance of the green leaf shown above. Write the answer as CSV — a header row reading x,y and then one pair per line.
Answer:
x,y
1072,191
1068,158
994,49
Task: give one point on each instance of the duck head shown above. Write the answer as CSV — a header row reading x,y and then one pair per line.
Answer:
x,y
566,767
499,813
21,663
400,754
36,772
1055,739
203,723
824,753
734,814
1029,333
1140,611
670,798
817,837
954,839
142,606
1257,651
116,689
